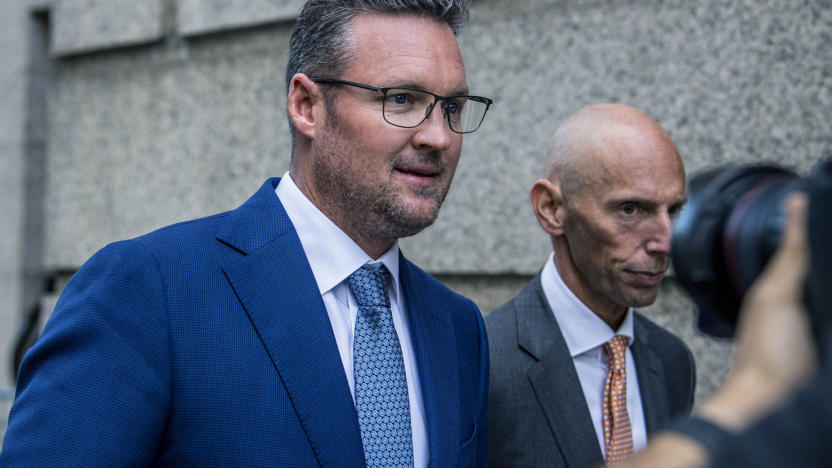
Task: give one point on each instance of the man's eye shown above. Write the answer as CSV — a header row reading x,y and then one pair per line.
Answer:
x,y
628,210
674,211
452,107
398,99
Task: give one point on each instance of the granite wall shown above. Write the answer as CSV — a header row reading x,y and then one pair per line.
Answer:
x,y
121,117
22,157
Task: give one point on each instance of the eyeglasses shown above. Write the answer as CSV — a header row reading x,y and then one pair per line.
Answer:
x,y
409,107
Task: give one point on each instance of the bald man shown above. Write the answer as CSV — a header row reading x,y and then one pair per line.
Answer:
x,y
577,377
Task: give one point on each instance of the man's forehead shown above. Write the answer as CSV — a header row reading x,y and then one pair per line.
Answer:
x,y
627,153
406,50
657,177
645,190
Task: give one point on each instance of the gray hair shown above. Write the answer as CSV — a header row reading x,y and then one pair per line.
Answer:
x,y
321,43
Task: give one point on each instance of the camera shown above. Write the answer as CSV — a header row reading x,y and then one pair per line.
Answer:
x,y
730,228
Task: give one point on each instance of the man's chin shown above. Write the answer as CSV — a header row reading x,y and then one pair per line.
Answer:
x,y
412,225
644,299
407,219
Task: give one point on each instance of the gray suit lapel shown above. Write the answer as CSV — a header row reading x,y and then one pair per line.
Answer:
x,y
554,380
650,377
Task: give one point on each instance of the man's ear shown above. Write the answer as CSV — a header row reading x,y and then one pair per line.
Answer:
x,y
548,206
306,106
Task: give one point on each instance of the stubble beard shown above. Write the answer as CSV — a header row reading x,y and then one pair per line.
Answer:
x,y
372,209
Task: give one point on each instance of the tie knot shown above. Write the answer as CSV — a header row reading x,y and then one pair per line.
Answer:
x,y
370,286
616,349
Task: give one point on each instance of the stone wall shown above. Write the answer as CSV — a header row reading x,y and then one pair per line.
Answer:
x,y
6,398
25,74
121,117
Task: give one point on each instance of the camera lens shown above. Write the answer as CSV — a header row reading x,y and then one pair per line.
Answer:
x,y
724,237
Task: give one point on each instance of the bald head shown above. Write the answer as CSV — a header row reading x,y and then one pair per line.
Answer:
x,y
614,183
599,136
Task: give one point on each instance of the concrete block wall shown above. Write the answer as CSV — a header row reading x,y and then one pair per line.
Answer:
x,y
82,26
164,110
23,76
13,32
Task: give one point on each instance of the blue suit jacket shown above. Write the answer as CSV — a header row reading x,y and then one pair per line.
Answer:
x,y
206,343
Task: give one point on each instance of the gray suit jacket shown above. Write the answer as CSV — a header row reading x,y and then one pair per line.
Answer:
x,y
538,413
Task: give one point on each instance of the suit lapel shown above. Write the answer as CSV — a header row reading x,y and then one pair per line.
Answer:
x,y
435,349
650,377
277,289
554,379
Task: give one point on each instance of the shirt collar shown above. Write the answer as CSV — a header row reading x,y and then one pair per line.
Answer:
x,y
581,328
332,254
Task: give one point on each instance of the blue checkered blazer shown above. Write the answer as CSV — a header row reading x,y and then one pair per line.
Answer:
x,y
206,343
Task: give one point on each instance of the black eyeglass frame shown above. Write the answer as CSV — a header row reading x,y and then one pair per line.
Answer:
x,y
436,99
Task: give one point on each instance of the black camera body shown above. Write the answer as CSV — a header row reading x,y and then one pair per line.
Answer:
x,y
729,230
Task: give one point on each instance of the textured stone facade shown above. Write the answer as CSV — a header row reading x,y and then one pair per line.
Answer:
x,y
81,26
164,110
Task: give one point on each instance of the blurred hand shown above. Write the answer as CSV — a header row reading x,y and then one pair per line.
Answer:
x,y
775,348
775,351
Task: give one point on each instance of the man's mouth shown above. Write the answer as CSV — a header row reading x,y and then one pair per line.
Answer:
x,y
648,277
422,171
419,171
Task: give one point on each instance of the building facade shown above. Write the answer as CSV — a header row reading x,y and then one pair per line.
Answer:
x,y
122,116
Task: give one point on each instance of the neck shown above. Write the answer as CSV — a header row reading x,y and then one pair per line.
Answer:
x,y
611,313
372,245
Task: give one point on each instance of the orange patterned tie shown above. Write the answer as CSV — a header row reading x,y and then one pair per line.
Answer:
x,y
618,438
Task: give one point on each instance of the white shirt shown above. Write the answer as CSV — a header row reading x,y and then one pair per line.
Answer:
x,y
334,256
585,334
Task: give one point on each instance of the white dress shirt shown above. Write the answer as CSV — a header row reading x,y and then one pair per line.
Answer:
x,y
585,334
334,256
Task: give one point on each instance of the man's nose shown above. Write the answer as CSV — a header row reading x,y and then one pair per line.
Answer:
x,y
660,235
434,132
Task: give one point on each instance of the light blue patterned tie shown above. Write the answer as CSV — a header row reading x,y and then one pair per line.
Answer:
x,y
380,382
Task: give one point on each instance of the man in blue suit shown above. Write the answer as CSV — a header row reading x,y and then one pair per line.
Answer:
x,y
290,331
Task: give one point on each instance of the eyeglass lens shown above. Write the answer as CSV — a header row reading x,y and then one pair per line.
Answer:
x,y
408,108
